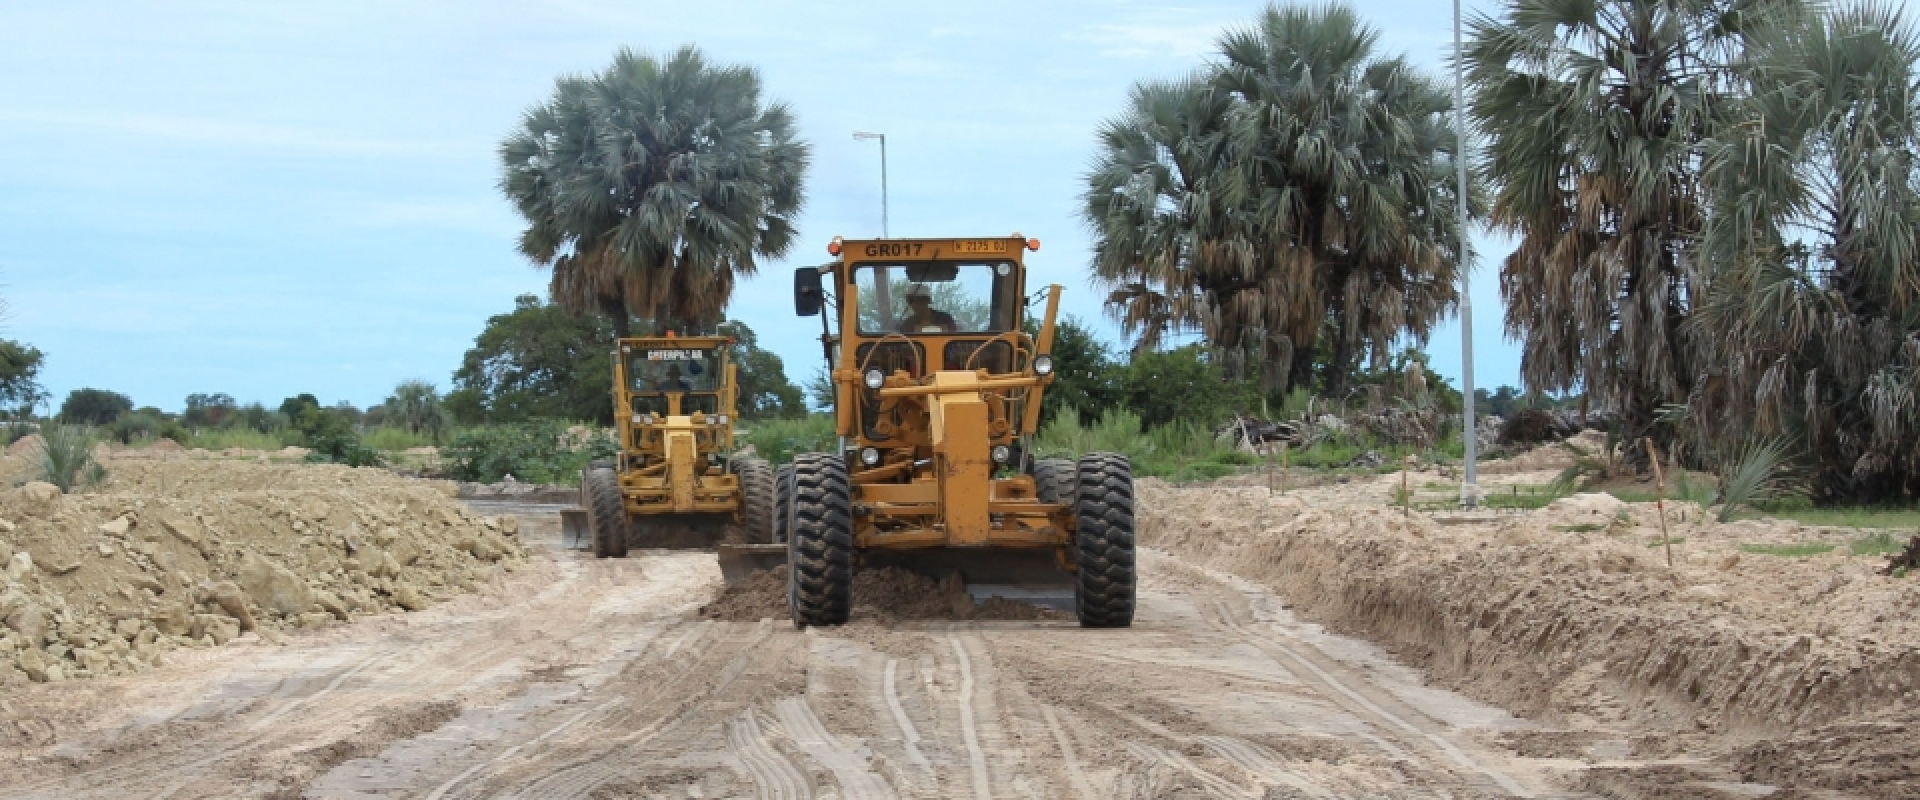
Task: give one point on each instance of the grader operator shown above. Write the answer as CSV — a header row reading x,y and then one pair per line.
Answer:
x,y
937,392
675,483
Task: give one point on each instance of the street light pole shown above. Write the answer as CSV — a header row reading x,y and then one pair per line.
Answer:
x,y
883,177
1469,488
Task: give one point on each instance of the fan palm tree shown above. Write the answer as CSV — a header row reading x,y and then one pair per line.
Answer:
x,y
1813,322
650,187
1595,111
417,406
1297,191
1153,204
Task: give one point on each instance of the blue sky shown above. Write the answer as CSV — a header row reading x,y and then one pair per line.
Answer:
x,y
265,199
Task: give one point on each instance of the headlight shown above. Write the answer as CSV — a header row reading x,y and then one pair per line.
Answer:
x,y
1001,453
1043,365
720,419
643,419
870,457
874,378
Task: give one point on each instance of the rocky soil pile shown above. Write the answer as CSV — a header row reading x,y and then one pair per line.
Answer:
x,y
173,553
1800,671
878,595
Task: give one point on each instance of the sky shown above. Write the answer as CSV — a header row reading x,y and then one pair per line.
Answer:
x,y
265,199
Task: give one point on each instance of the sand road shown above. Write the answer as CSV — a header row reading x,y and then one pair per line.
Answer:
x,y
577,678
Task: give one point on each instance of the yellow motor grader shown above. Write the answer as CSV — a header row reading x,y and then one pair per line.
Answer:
x,y
674,483
937,392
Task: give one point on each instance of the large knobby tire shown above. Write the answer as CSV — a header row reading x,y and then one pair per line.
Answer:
x,y
756,498
782,502
606,513
1053,480
820,542
1103,591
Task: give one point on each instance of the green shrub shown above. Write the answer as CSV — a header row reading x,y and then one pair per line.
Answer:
x,y
1800,550
393,439
535,452
65,457
778,440
330,439
240,437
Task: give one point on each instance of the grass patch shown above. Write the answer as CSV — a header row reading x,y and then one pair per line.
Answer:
x,y
1667,541
1584,527
1633,495
1798,550
1521,497
243,438
395,439
1847,517
1879,543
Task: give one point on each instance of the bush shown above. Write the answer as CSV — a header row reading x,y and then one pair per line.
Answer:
x,y
390,439
65,457
536,452
777,440
330,439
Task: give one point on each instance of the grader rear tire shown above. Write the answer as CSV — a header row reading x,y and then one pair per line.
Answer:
x,y
820,543
782,503
756,499
1053,480
1103,591
606,512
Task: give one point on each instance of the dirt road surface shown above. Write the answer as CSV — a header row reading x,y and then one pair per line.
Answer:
x,y
577,678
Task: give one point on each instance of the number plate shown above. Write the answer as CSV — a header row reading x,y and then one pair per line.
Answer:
x,y
980,246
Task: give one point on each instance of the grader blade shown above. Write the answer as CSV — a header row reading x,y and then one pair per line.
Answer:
x,y
1028,575
574,529
738,562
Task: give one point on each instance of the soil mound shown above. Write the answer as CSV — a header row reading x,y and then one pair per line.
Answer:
x,y
27,446
883,594
1570,613
173,554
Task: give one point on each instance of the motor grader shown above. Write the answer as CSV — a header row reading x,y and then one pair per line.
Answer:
x,y
673,483
937,391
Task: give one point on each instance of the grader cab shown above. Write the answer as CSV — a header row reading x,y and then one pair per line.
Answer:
x,y
675,482
937,390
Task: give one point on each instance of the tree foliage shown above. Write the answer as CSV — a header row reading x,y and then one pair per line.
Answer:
x,y
536,362
1813,326
765,391
1595,114
20,390
649,187
208,409
416,406
94,407
1297,192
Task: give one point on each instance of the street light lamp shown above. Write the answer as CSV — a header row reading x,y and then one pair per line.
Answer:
x,y
863,135
1470,487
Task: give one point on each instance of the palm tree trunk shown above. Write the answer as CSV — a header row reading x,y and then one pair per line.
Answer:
x,y
616,311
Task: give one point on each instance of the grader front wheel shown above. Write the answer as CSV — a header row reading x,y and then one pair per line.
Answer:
x,y
606,513
756,499
820,543
782,503
1103,592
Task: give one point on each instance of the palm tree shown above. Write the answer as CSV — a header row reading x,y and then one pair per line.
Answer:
x,y
1344,161
416,406
1151,200
1813,323
650,187
1293,196
1594,114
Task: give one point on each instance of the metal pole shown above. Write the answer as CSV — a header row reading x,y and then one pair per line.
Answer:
x,y
1470,488
884,234
863,135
